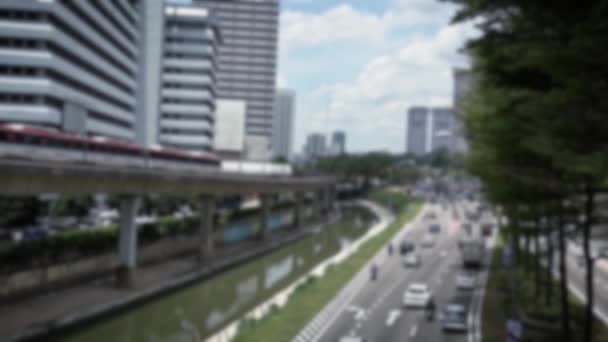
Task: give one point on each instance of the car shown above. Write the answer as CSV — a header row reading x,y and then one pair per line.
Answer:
x,y
406,247
434,229
486,229
454,317
430,215
466,280
428,241
352,339
417,295
411,260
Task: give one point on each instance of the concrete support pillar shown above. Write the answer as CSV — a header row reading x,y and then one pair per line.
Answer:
x,y
331,198
317,204
266,203
206,229
297,211
127,242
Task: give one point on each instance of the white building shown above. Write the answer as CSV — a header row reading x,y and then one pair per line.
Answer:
x,y
282,129
229,140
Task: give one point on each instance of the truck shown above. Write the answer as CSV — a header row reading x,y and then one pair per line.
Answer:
x,y
472,252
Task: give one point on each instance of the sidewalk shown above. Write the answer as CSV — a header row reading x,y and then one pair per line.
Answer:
x,y
51,312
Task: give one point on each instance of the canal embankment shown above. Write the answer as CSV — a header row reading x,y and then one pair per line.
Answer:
x,y
52,312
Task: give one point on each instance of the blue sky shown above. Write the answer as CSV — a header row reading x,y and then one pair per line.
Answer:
x,y
358,65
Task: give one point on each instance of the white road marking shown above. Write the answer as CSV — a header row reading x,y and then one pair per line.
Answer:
x,y
413,331
392,317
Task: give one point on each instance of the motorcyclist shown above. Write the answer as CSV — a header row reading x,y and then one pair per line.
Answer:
x,y
430,309
374,271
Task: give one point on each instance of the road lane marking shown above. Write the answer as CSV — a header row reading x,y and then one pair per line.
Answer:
x,y
392,317
413,331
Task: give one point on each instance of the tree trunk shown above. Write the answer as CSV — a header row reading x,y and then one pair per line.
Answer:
x,y
549,266
563,274
589,206
537,260
528,253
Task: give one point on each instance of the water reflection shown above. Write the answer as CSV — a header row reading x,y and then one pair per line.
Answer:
x,y
195,312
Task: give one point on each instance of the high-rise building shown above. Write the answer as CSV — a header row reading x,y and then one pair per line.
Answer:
x,y
417,130
247,59
187,83
338,143
70,65
442,131
315,146
462,84
282,130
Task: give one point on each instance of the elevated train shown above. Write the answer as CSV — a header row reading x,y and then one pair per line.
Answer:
x,y
35,143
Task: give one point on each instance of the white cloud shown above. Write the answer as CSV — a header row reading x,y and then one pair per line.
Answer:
x,y
372,108
345,23
341,23
281,81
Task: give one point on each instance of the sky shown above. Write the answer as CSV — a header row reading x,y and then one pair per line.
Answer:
x,y
358,65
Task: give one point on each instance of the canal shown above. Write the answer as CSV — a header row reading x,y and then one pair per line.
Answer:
x,y
197,311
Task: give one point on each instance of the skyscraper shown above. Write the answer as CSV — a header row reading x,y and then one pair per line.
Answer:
x,y
417,129
462,84
70,65
442,131
247,59
187,87
315,146
282,131
338,143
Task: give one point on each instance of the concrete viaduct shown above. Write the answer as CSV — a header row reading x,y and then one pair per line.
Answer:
x,y
20,177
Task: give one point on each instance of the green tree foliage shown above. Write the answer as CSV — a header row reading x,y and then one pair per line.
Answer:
x,y
537,115
18,211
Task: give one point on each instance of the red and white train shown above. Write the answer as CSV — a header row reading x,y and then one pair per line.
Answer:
x,y
33,143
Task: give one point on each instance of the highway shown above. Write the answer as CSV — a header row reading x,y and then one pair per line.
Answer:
x,y
375,313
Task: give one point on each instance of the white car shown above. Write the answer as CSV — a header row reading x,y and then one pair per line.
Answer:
x,y
465,280
411,260
416,295
428,241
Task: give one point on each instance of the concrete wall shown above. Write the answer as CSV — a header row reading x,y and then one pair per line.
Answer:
x,y
44,278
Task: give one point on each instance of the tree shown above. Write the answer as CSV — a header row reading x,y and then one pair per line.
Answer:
x,y
539,69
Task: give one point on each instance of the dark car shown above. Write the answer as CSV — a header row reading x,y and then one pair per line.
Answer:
x,y
406,247
434,229
454,317
486,229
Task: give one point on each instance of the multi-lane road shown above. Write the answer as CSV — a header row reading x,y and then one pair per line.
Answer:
x,y
376,312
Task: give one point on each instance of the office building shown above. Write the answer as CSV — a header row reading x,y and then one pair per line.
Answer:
x,y
417,130
442,131
315,146
70,65
247,59
462,84
282,130
187,83
338,143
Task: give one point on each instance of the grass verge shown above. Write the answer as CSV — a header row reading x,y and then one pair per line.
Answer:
x,y
310,297
498,301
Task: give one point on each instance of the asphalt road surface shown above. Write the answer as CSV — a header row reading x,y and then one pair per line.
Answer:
x,y
376,313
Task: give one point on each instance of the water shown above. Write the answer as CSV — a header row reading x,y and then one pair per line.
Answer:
x,y
198,311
